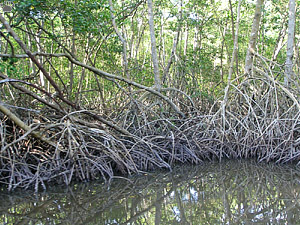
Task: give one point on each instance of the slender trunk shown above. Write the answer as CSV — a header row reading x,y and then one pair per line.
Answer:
x,y
39,44
132,39
195,42
186,39
162,45
73,50
175,43
290,43
233,37
122,38
157,79
280,41
72,66
30,41
253,36
140,38
235,47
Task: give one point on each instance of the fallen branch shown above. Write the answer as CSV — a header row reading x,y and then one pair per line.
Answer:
x,y
25,127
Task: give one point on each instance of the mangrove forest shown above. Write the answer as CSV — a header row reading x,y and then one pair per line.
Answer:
x,y
97,89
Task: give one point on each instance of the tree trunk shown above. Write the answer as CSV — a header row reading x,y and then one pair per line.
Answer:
x,y
253,36
235,47
186,39
290,43
157,79
233,37
175,43
39,48
122,38
279,41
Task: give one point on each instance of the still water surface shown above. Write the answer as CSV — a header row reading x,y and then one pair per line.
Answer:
x,y
230,192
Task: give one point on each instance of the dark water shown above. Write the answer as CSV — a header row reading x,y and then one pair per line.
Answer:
x,y
231,192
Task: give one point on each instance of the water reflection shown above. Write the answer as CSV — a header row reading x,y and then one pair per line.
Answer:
x,y
228,193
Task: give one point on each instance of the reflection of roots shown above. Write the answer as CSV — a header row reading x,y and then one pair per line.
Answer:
x,y
205,188
260,121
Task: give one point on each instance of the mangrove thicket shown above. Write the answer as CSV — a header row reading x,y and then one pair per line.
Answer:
x,y
101,88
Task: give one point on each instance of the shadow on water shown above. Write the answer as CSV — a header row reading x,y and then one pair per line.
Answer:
x,y
230,192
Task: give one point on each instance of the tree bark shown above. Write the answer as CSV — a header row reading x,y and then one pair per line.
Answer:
x,y
157,79
290,43
253,36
